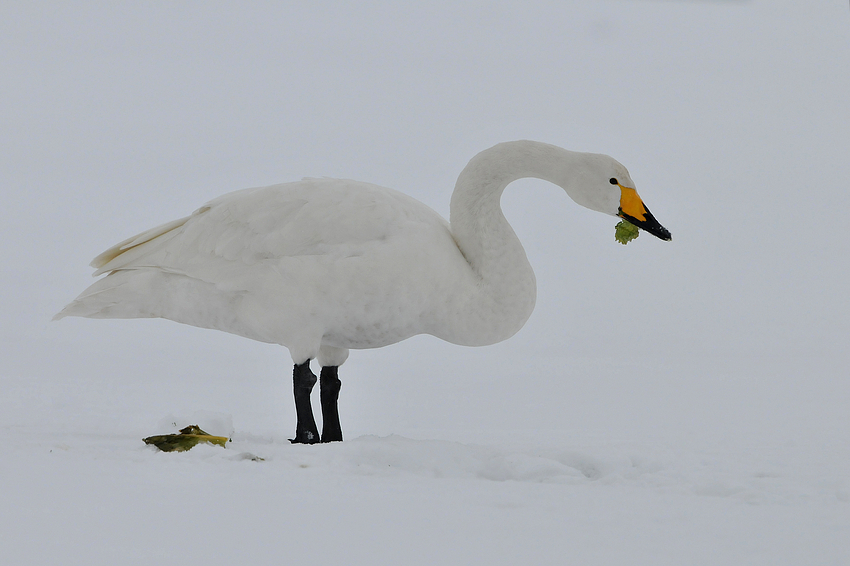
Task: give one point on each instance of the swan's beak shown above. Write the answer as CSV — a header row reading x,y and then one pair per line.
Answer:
x,y
633,210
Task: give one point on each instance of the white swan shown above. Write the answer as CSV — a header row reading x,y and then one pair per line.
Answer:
x,y
325,265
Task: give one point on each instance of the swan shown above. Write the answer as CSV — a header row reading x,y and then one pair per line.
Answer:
x,y
323,266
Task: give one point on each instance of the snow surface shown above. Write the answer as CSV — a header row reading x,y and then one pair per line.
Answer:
x,y
80,485
668,403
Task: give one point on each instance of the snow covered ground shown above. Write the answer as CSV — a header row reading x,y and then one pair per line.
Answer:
x,y
387,500
699,484
668,403
99,498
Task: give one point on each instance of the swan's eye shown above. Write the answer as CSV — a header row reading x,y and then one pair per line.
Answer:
x,y
613,181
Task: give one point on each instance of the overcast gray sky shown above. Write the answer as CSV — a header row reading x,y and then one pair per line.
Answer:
x,y
731,116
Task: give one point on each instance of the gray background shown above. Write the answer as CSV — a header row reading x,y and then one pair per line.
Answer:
x,y
732,118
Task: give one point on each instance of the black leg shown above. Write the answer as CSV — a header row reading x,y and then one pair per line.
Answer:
x,y
329,385
303,381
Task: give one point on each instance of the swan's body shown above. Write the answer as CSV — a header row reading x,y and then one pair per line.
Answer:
x,y
322,266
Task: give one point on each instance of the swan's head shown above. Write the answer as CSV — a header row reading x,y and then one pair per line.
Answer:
x,y
601,183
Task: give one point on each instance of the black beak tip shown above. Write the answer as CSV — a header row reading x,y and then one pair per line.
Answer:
x,y
662,233
650,225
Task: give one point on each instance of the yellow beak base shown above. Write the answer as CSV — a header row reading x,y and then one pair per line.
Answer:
x,y
633,210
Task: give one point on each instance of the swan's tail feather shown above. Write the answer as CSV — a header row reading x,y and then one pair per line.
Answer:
x,y
110,297
130,288
154,293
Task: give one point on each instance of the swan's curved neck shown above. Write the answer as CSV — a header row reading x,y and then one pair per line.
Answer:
x,y
476,202
506,287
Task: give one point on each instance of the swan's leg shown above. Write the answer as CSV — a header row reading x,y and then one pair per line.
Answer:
x,y
303,381
329,385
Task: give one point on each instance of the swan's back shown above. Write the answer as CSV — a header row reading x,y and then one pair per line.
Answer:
x,y
307,218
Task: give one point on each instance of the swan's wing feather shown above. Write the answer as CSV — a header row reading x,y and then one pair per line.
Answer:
x,y
129,249
270,225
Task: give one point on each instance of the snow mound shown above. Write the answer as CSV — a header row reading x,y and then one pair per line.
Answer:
x,y
398,455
